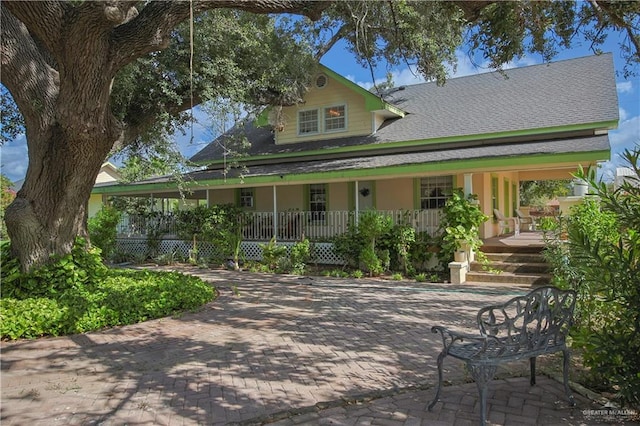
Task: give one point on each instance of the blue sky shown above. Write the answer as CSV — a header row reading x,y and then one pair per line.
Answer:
x,y
13,155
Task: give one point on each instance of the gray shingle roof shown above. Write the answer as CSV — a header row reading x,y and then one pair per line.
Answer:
x,y
560,146
560,94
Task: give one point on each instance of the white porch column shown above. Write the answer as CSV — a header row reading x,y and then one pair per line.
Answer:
x,y
275,212
208,199
468,184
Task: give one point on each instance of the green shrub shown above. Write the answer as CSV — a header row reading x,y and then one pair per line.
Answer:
x,y
300,256
371,262
357,273
403,236
220,225
397,276
548,224
601,260
272,253
30,318
421,277
421,250
349,245
103,230
77,293
79,267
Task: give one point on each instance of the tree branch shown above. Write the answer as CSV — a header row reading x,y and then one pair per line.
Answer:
x,y
43,19
138,123
603,7
472,9
334,39
151,30
27,73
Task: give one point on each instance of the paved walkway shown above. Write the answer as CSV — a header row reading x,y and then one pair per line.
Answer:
x,y
276,349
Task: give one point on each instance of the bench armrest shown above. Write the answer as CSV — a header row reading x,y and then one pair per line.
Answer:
x,y
450,337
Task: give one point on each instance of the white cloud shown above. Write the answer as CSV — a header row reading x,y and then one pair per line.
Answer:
x,y
622,113
14,159
406,77
624,87
627,136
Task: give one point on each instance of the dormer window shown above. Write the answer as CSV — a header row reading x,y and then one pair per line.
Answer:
x,y
334,118
308,122
324,120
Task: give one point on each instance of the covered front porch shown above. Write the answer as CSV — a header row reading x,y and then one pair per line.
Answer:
x,y
285,226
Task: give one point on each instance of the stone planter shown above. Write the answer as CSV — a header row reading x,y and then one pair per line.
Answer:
x,y
460,256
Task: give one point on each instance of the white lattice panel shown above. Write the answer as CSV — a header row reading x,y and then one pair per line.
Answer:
x,y
324,254
138,247
132,246
251,250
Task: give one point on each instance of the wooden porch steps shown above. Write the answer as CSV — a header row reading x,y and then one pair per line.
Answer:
x,y
521,266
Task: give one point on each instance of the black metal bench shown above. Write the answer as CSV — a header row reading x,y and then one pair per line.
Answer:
x,y
524,327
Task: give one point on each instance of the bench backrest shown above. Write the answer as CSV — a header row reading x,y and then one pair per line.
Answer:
x,y
538,319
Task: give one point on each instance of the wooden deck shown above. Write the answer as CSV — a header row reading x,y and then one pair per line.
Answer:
x,y
526,241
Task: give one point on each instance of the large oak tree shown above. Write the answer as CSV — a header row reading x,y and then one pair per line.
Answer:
x,y
90,76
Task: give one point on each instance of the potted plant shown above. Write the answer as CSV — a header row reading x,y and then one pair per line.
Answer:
x,y
460,224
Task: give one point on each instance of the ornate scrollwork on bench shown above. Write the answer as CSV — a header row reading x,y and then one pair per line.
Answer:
x,y
524,327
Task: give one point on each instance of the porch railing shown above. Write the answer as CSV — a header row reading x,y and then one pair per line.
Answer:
x,y
286,226
322,226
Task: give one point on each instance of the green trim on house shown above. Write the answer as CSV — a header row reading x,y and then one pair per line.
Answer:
x,y
495,194
433,141
371,101
351,195
306,197
447,167
238,197
416,193
374,194
507,198
263,118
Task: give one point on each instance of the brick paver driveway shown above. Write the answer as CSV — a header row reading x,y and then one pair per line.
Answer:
x,y
266,345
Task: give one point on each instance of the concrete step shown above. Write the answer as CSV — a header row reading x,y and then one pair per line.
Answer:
x,y
512,249
509,278
513,267
515,257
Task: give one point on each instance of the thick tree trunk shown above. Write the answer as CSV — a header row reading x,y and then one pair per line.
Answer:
x,y
69,127
50,210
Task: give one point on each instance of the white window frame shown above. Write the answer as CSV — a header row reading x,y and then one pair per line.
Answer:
x,y
321,120
435,191
325,117
318,194
249,196
317,111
